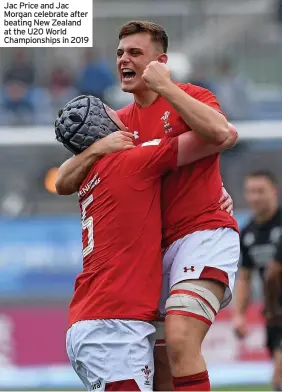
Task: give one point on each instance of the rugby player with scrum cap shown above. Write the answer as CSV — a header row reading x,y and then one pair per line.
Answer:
x,y
110,337
200,239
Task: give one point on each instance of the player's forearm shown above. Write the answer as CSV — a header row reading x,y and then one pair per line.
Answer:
x,y
72,172
192,147
198,116
242,297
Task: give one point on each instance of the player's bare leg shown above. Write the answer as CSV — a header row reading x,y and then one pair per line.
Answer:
x,y
184,337
162,376
277,373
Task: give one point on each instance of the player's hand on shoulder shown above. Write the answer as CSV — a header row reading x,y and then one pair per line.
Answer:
x,y
226,202
117,141
156,76
240,327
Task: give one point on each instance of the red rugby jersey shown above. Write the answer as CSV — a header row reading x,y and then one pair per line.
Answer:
x,y
189,196
121,234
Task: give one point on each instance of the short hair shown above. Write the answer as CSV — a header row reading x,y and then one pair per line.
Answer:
x,y
264,173
157,32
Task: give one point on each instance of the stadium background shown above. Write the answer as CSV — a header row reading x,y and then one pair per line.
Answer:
x,y
234,48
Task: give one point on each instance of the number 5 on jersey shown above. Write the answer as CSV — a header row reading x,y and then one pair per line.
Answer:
x,y
87,224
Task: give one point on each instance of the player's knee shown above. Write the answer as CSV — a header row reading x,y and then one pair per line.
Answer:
x,y
190,311
182,335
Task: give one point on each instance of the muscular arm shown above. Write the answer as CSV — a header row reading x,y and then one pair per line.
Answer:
x,y
243,291
72,172
192,147
200,117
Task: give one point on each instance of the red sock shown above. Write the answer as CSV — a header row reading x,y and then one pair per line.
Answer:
x,y
195,382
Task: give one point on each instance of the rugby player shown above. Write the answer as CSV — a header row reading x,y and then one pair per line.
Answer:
x,y
201,240
260,251
110,340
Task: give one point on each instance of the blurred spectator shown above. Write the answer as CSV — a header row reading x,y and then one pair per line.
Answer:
x,y
232,91
16,104
61,88
17,107
95,76
20,69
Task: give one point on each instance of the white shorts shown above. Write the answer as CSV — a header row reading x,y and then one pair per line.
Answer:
x,y
106,352
207,254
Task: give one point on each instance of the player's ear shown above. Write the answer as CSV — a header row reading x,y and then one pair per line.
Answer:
x,y
162,58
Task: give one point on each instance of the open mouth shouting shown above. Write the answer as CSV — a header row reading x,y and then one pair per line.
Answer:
x,y
127,74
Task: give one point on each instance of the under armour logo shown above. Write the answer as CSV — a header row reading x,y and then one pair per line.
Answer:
x,y
136,134
192,269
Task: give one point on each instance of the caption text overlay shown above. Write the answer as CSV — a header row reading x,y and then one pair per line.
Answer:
x,y
46,23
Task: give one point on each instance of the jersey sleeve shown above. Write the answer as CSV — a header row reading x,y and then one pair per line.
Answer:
x,y
278,254
153,158
245,260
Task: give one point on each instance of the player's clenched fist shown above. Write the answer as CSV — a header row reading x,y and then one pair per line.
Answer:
x,y
156,76
117,141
